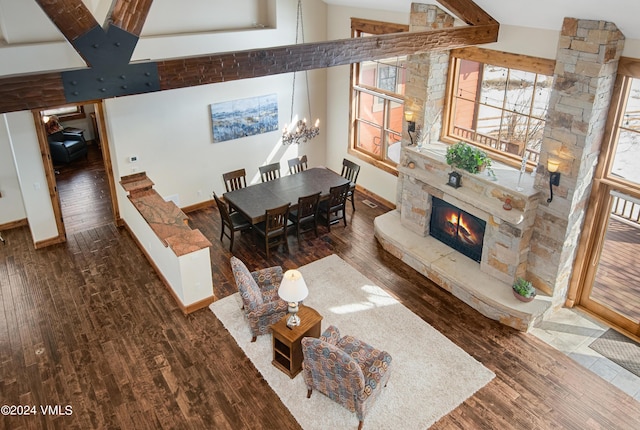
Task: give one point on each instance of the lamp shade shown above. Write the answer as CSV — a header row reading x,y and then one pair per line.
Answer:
x,y
292,287
408,116
553,164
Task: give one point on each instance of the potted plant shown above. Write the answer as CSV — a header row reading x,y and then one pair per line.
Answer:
x,y
467,157
523,290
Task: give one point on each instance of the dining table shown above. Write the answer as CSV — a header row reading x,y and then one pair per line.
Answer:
x,y
253,200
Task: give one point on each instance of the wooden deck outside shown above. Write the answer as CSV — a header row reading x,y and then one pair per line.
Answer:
x,y
617,283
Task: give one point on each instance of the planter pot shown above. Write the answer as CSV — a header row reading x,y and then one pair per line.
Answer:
x,y
522,298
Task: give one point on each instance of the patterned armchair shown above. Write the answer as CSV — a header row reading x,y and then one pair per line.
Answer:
x,y
345,369
259,292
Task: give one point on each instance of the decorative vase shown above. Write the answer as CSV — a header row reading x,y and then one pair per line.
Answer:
x,y
523,298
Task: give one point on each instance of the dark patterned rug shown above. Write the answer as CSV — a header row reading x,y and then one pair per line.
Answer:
x,y
619,349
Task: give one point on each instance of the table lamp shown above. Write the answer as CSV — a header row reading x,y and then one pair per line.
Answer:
x,y
292,290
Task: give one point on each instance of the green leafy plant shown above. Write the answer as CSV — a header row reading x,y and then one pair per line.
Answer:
x,y
524,288
467,157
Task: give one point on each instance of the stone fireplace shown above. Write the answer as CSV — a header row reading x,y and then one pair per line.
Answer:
x,y
497,218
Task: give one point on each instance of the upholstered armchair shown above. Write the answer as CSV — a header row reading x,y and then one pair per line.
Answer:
x,y
259,291
345,369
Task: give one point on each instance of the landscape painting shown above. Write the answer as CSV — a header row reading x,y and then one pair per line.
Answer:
x,y
244,117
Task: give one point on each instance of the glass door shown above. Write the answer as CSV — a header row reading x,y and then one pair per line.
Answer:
x,y
613,288
609,284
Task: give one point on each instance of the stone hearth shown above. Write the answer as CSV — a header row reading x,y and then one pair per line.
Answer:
x,y
485,286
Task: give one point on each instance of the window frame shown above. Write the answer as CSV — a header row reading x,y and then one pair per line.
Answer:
x,y
359,26
519,62
75,112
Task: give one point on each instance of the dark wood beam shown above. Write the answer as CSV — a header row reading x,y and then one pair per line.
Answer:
x,y
72,17
210,69
31,91
25,92
130,15
468,12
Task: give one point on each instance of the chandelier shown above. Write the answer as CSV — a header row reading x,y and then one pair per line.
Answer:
x,y
301,132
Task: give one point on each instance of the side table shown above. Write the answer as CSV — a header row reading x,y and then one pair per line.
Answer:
x,y
287,347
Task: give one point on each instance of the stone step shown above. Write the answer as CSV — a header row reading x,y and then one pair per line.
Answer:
x,y
458,274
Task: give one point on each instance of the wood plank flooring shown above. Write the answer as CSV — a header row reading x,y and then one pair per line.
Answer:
x,y
88,324
84,192
617,282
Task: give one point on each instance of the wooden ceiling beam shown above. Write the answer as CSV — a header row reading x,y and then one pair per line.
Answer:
x,y
468,12
209,69
130,15
72,17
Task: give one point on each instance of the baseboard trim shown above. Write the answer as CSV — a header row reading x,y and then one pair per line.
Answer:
x,y
199,206
14,224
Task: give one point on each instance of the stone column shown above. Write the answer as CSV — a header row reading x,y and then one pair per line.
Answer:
x,y
425,93
586,65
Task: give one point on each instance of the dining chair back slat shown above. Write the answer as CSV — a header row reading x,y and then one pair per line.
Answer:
x,y
334,208
350,171
235,180
232,222
274,227
305,217
270,172
297,165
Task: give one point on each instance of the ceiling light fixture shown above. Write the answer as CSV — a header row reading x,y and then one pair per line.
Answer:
x,y
301,132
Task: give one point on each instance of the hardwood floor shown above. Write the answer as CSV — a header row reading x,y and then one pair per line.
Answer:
x,y
84,192
88,324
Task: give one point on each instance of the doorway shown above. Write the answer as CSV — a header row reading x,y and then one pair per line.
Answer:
x,y
82,187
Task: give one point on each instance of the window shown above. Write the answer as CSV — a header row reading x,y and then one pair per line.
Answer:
x,y
626,153
377,101
498,107
66,113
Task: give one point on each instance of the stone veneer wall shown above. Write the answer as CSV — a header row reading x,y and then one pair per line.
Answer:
x,y
586,65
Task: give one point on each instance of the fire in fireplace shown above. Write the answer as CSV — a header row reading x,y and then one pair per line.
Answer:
x,y
457,228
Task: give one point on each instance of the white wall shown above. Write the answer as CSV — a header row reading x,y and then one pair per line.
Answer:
x,y
11,204
21,136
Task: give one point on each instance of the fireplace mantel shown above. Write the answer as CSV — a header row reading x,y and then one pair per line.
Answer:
x,y
478,194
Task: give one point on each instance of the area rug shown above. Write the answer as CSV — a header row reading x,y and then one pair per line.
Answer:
x,y
431,375
619,349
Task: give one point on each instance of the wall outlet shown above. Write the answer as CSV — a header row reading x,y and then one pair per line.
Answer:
x,y
133,159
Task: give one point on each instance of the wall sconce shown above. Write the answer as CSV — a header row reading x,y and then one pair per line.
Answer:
x,y
554,176
411,124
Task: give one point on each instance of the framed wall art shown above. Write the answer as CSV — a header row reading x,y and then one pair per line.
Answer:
x,y
244,117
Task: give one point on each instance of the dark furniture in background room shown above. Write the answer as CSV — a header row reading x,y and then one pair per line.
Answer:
x,y
67,146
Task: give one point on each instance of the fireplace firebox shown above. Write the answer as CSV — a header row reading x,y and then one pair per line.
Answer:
x,y
458,229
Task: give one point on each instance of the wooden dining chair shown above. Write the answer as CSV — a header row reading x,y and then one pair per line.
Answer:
x,y
274,228
350,171
232,222
270,172
334,208
235,180
305,217
297,165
